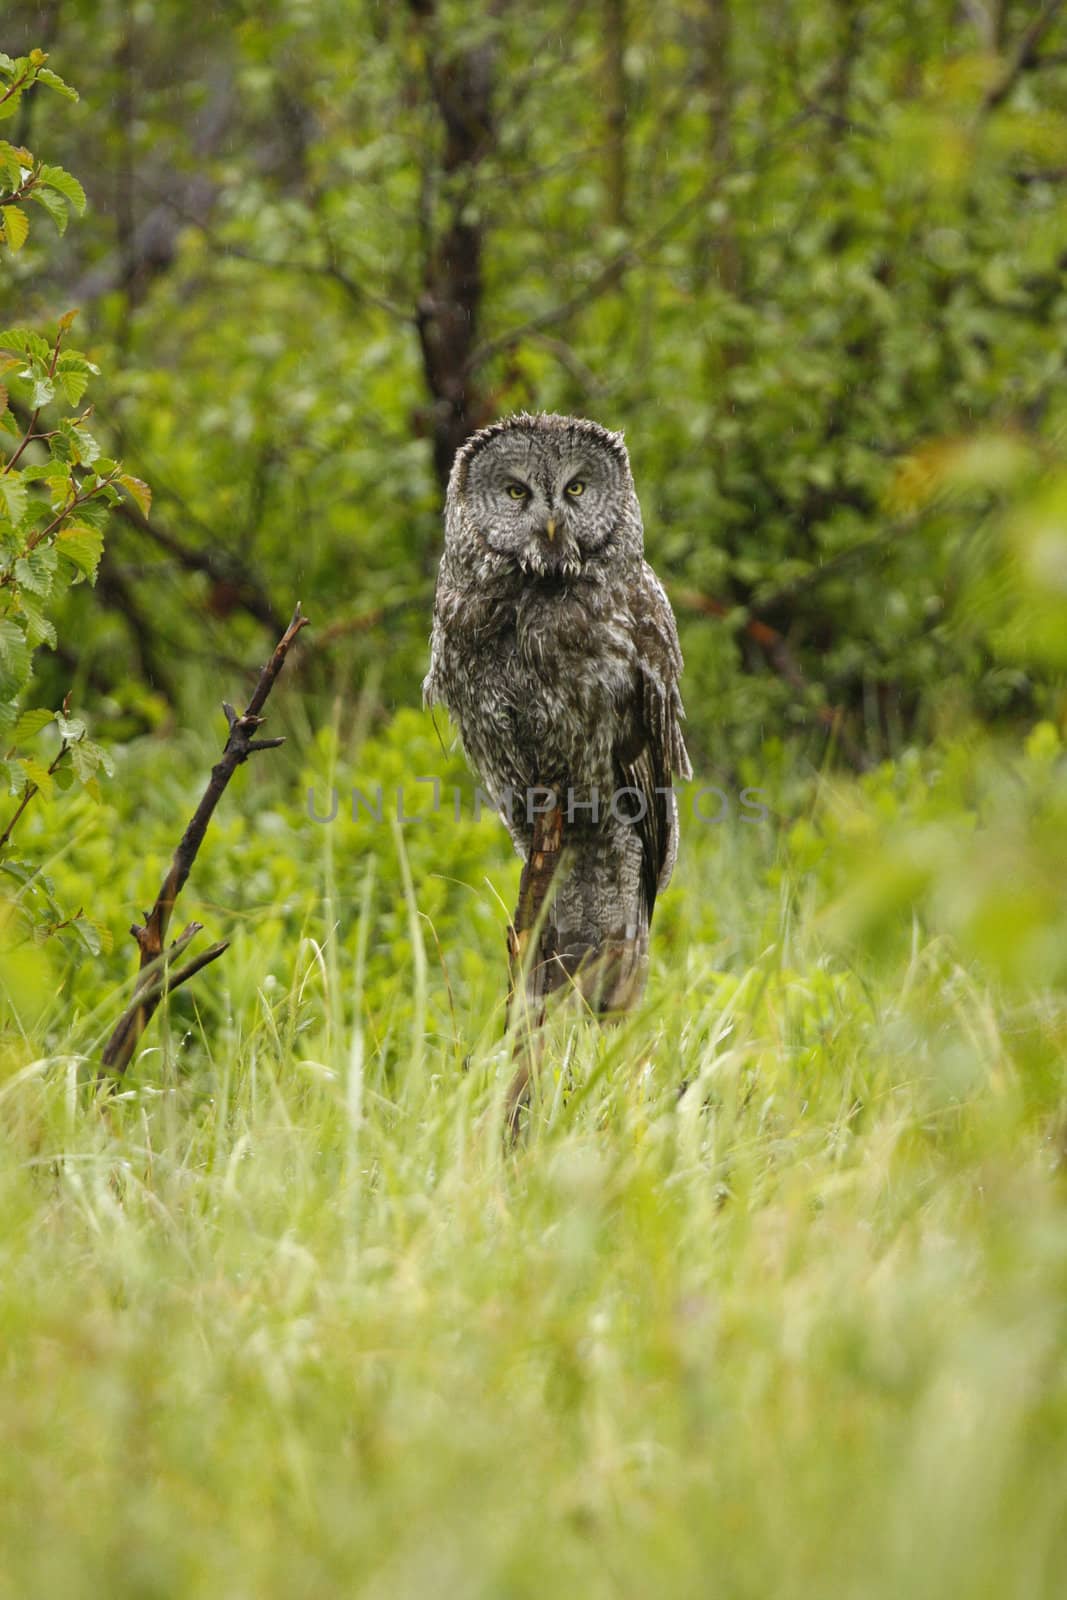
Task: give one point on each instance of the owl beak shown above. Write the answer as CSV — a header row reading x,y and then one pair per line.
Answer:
x,y
550,529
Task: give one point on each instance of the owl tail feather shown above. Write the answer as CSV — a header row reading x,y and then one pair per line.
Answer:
x,y
583,901
600,918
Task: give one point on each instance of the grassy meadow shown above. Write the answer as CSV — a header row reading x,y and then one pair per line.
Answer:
x,y
769,1301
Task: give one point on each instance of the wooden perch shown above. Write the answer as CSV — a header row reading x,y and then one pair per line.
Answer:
x,y
533,974
534,885
156,977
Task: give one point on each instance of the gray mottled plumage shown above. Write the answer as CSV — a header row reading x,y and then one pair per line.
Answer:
x,y
555,650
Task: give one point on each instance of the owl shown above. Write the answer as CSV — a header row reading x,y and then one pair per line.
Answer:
x,y
555,650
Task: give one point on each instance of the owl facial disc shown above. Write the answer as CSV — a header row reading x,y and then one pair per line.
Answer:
x,y
547,494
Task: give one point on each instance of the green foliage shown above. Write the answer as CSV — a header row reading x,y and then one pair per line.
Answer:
x,y
22,177
871,270
56,490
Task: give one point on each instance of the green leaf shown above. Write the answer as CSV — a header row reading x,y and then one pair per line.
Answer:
x,y
39,630
12,495
37,570
15,775
94,514
25,339
37,773
72,374
89,933
43,390
83,547
73,385
54,204
64,184
74,360
86,758
30,724
57,476
11,164
84,767
54,81
16,226
71,728
14,658
83,446
104,760
139,490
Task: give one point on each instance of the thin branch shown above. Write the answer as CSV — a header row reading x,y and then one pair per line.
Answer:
x,y
248,593
32,789
1024,56
629,255
366,620
129,1028
781,658
151,935
31,427
13,88
356,292
34,539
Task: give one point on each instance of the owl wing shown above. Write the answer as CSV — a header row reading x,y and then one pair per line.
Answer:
x,y
653,751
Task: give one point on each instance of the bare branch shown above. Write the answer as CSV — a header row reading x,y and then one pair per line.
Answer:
x,y
150,936
129,1027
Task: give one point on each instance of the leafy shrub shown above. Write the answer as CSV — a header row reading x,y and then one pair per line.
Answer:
x,y
56,491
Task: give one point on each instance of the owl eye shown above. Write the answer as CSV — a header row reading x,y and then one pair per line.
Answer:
x,y
575,487
518,491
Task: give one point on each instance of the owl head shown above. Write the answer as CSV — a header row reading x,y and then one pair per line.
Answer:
x,y
548,495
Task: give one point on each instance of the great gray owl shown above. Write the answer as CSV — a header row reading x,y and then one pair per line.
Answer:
x,y
555,649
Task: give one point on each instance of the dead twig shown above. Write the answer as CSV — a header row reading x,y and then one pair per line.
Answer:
x,y
155,978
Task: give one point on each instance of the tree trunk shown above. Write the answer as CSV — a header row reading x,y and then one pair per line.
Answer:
x,y
460,83
615,110
722,257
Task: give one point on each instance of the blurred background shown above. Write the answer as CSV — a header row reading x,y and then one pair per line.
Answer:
x,y
809,256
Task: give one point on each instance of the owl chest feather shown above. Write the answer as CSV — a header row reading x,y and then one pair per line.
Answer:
x,y
546,686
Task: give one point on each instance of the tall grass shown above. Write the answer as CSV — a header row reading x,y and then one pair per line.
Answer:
x,y
770,1300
